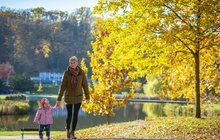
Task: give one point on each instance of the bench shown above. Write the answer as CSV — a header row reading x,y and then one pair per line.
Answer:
x,y
27,129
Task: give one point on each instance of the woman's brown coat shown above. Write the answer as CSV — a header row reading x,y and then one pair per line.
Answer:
x,y
73,95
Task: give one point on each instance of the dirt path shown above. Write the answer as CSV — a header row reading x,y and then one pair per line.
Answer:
x,y
26,137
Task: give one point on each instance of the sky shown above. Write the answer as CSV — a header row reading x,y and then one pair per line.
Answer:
x,y
62,5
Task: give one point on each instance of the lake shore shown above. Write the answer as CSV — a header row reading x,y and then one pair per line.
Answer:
x,y
15,104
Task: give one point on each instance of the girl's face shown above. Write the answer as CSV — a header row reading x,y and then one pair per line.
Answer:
x,y
73,64
46,105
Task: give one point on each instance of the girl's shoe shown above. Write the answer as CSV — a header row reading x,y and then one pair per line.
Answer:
x,y
41,137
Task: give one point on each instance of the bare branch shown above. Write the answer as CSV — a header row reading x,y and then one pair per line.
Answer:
x,y
179,16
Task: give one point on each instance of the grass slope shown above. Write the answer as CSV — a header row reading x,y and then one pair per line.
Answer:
x,y
165,127
175,127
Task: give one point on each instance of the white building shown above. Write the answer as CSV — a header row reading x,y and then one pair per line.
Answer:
x,y
48,77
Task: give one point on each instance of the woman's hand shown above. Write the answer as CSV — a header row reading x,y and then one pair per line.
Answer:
x,y
58,103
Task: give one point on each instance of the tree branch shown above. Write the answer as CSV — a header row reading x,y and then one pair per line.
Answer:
x,y
180,51
210,33
184,44
178,16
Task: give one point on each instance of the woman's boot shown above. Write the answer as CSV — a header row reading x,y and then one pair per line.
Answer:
x,y
72,135
68,133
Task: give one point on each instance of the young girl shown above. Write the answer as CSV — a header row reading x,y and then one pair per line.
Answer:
x,y
44,117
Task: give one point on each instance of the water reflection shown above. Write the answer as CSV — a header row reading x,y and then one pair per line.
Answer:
x,y
154,109
12,121
167,110
132,111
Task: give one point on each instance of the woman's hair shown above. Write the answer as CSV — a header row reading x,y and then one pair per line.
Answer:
x,y
73,58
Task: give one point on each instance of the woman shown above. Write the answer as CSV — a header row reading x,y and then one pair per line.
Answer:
x,y
73,81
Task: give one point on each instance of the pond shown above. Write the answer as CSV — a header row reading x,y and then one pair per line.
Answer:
x,y
132,111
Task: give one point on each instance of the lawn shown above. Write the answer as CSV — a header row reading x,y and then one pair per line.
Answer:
x,y
164,127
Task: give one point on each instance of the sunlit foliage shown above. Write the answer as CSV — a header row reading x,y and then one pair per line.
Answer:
x,y
177,40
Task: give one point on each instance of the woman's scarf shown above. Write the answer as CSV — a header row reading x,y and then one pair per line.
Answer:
x,y
74,73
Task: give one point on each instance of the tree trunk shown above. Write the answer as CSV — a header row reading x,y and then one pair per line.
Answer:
x,y
197,65
197,85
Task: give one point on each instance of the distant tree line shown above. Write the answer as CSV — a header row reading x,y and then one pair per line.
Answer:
x,y
35,40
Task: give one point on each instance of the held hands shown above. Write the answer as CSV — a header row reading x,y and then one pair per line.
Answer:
x,y
58,103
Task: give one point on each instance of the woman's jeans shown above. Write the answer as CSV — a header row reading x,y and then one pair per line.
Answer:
x,y
47,128
72,115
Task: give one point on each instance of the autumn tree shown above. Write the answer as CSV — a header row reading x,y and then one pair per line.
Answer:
x,y
177,40
106,78
34,40
6,72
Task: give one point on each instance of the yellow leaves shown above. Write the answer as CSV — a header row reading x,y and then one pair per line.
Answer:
x,y
38,13
210,74
83,66
107,78
155,38
156,128
44,48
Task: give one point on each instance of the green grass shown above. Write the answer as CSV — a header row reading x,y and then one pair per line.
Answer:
x,y
2,97
212,109
9,133
16,97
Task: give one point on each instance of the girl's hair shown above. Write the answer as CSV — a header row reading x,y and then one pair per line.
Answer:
x,y
43,102
73,58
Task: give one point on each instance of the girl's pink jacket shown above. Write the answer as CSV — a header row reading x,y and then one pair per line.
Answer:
x,y
45,115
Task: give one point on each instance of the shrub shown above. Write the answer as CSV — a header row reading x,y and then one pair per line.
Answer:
x,y
21,83
9,107
15,97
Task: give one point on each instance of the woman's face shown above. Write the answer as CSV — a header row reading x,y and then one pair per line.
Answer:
x,y
73,64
